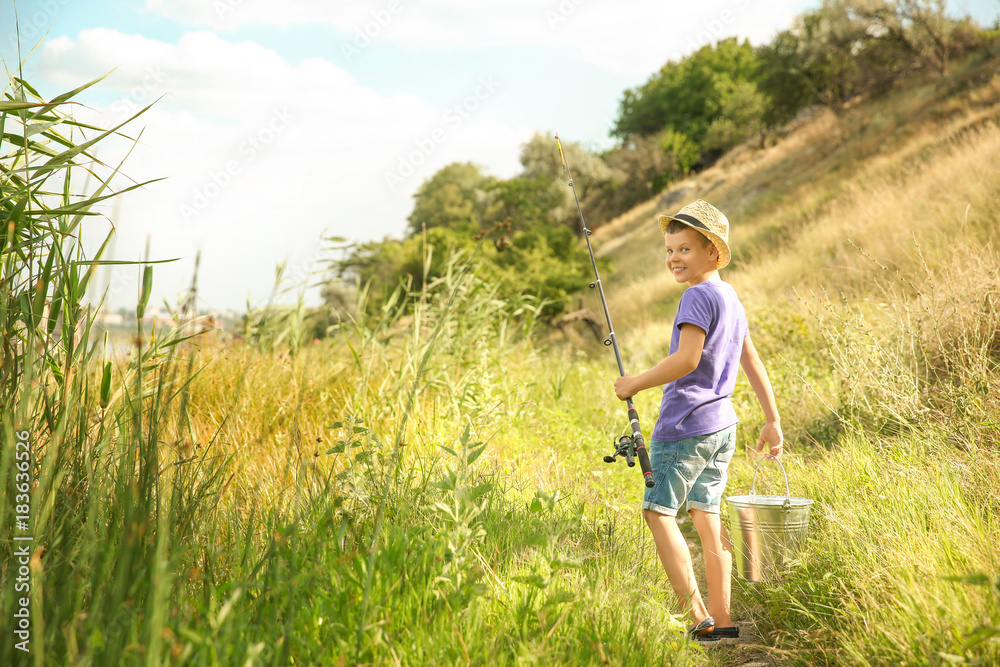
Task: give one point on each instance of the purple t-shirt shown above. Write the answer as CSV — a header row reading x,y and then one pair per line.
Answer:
x,y
698,403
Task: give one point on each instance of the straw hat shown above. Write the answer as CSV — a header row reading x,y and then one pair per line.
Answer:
x,y
708,220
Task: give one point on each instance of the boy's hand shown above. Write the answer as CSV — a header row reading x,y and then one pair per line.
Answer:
x,y
771,435
625,387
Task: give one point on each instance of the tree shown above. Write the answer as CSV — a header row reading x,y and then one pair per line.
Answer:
x,y
544,260
685,96
339,299
741,114
383,264
526,202
591,174
454,197
847,48
529,248
644,166
784,81
533,250
829,41
678,151
828,56
540,159
919,27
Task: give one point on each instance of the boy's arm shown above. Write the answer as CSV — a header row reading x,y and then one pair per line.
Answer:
x,y
761,385
677,365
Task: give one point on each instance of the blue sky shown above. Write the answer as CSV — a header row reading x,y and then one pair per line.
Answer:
x,y
278,121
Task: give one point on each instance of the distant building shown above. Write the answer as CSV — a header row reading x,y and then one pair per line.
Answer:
x,y
158,317
110,319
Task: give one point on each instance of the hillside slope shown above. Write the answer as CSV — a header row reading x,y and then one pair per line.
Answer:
x,y
915,160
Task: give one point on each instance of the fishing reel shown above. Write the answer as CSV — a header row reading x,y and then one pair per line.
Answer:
x,y
625,446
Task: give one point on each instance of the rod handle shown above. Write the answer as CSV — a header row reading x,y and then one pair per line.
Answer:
x,y
640,447
647,471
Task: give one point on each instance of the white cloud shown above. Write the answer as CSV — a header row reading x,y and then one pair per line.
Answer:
x,y
260,155
628,38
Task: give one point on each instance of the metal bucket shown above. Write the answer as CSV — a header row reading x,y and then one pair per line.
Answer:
x,y
766,531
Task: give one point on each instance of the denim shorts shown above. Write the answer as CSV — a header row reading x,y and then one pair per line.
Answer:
x,y
694,469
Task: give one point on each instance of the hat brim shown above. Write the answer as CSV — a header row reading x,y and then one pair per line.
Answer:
x,y
720,244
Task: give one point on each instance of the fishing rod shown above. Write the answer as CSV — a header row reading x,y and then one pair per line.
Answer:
x,y
629,446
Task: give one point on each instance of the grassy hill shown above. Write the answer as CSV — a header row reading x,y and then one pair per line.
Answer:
x,y
859,174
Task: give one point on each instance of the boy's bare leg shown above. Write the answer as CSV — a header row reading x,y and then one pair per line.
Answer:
x,y
676,560
718,552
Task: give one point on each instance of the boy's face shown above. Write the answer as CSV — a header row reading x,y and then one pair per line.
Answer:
x,y
689,260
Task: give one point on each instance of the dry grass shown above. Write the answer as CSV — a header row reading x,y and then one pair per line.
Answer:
x,y
948,209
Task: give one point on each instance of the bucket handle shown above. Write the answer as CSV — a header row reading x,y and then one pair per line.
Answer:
x,y
753,485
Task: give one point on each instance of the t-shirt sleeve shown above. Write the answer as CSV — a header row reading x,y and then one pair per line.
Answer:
x,y
696,307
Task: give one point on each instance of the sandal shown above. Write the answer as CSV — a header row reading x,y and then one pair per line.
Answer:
x,y
703,628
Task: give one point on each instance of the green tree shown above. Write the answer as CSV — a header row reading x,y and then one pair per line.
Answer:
x,y
822,59
829,40
547,261
540,159
530,249
381,265
533,251
785,81
526,202
686,96
646,165
679,152
847,48
454,197
591,175
741,114
918,28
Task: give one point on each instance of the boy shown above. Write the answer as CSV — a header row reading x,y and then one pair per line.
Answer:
x,y
695,434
